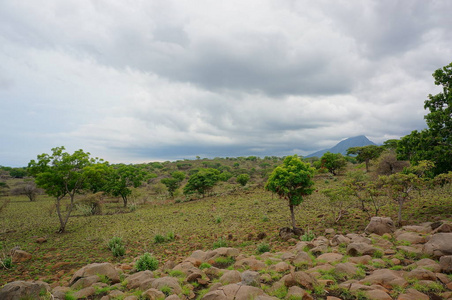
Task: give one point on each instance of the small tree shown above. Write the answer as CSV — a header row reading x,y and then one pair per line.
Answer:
x,y
28,189
122,178
340,200
243,179
366,153
334,162
61,174
388,163
292,181
202,181
399,188
173,183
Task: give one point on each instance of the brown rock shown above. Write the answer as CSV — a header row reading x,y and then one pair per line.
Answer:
x,y
296,292
250,278
377,295
236,292
106,269
41,240
85,282
440,244
231,276
300,278
170,282
365,259
141,280
153,294
339,239
251,263
421,274
23,290
349,269
411,237
380,225
412,294
445,263
193,277
280,267
85,293
428,264
20,256
359,249
330,257
444,228
385,278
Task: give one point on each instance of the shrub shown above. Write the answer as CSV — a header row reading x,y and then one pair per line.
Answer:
x,y
146,262
170,236
220,243
117,246
204,265
308,236
90,205
7,263
218,220
262,248
243,179
158,239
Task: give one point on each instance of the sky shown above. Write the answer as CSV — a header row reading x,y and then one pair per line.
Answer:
x,y
155,80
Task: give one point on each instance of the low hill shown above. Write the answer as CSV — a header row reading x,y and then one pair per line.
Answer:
x,y
341,147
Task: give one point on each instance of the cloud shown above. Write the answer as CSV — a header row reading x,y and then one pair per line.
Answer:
x,y
176,79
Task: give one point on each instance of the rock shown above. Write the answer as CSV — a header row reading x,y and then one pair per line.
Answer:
x,y
116,294
105,269
251,263
141,280
186,267
349,269
85,282
172,297
380,226
193,277
231,276
439,244
339,239
23,290
359,249
377,295
412,294
84,293
236,292
445,228
411,237
59,292
357,238
250,278
20,256
41,240
296,292
301,258
280,267
365,259
445,263
330,257
421,274
411,251
385,278
153,294
170,282
428,264
418,228
300,278
287,233
330,232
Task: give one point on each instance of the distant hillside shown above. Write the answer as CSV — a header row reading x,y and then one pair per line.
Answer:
x,y
341,147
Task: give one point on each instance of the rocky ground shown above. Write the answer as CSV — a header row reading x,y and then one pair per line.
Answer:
x,y
411,263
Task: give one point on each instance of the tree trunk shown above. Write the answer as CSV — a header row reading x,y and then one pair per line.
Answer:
x,y
399,213
124,199
292,215
60,217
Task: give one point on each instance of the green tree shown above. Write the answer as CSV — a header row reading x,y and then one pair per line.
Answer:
x,y
173,183
334,162
61,174
435,142
243,179
122,178
18,172
202,182
366,153
292,181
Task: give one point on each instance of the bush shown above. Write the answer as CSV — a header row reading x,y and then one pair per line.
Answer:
x,y
243,179
117,246
158,239
220,243
308,236
146,262
262,248
7,263
90,205
204,265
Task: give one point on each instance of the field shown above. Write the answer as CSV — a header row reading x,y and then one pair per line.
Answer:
x,y
233,214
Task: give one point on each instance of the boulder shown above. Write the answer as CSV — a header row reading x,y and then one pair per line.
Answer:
x,y
445,263
421,274
105,269
141,280
20,256
330,257
84,293
386,278
24,290
377,295
339,239
300,278
280,267
411,237
359,249
250,263
231,276
412,294
380,226
439,244
250,278
428,264
85,282
170,282
153,294
236,292
348,269
296,292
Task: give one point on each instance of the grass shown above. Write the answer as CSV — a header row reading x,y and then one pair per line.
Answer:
x,y
84,242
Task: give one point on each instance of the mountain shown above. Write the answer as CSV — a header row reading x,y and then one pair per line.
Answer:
x,y
341,147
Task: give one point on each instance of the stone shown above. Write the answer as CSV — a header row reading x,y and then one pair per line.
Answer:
x,y
231,276
153,294
412,294
330,257
301,258
84,293
445,228
85,282
411,237
20,256
339,239
59,292
380,225
428,264
251,263
300,278
280,267
386,278
359,249
421,274
167,281
365,259
193,277
349,269
172,297
105,269
141,280
23,290
296,292
236,292
440,244
41,240
250,278
357,238
412,251
445,263
186,267
377,295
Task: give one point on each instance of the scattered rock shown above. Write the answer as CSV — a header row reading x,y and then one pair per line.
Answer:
x,y
300,278
250,278
411,237
231,276
41,240
167,281
439,244
445,263
20,256
380,225
412,294
359,249
105,269
330,257
141,280
23,290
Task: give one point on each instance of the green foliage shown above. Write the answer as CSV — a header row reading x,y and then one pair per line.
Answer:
x,y
262,248
61,174
308,236
220,243
218,220
243,179
366,153
334,162
173,183
202,181
205,265
6,263
158,239
225,176
292,181
18,172
146,262
170,236
223,261
116,246
435,142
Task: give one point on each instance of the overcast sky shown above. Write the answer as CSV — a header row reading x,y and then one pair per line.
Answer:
x,y
140,81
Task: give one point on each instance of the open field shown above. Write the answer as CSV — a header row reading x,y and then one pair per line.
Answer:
x,y
236,214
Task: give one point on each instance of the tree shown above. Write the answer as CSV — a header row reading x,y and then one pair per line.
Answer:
x,y
366,153
399,188
122,178
202,182
435,142
173,183
334,162
28,189
18,172
388,163
243,179
61,174
292,181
